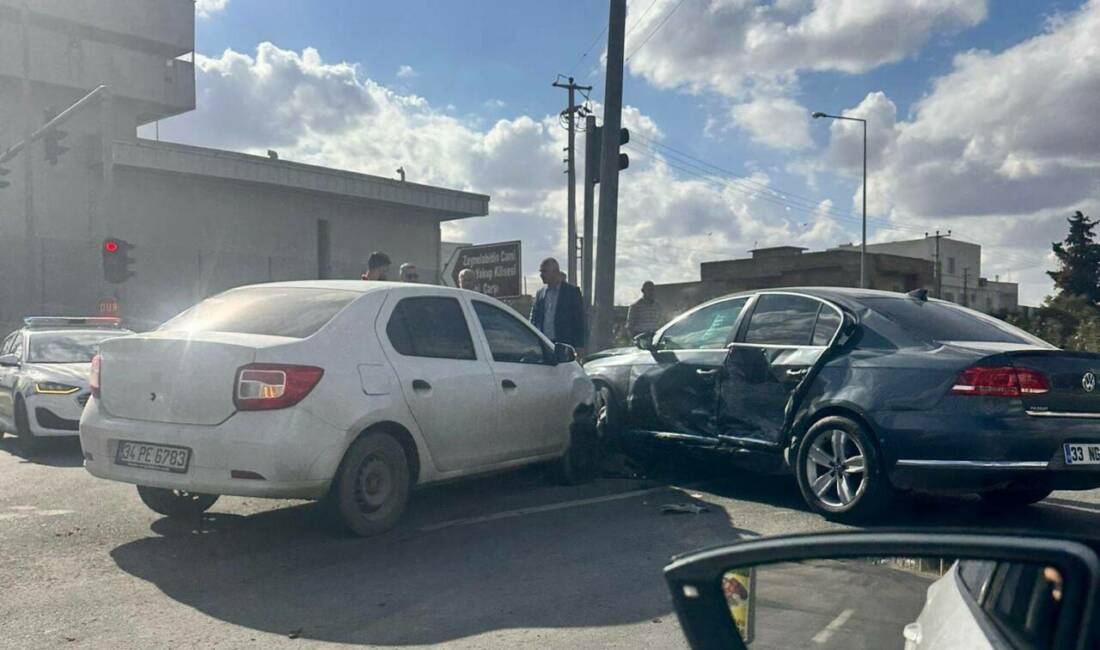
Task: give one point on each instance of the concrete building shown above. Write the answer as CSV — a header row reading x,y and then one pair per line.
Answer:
x,y
960,272
201,220
791,266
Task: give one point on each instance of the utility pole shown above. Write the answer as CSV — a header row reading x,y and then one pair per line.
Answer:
x,y
604,298
571,183
35,295
939,264
591,162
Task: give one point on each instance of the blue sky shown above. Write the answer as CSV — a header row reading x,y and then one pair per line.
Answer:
x,y
480,73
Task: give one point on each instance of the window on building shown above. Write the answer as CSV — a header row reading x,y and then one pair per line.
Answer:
x,y
510,341
951,266
430,327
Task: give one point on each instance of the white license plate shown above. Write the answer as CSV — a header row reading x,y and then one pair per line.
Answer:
x,y
1078,454
164,458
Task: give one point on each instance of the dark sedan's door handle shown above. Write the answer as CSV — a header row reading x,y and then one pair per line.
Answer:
x,y
795,374
706,373
508,384
421,386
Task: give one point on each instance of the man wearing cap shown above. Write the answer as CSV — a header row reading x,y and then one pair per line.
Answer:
x,y
409,273
645,315
378,267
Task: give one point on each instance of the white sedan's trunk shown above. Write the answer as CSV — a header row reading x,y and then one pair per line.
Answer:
x,y
176,377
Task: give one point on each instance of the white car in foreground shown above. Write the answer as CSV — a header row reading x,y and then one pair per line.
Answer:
x,y
348,391
44,369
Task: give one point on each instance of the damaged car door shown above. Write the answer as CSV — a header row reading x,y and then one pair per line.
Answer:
x,y
785,336
678,394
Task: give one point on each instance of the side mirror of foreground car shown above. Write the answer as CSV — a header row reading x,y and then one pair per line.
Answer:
x,y
564,353
889,590
9,361
644,341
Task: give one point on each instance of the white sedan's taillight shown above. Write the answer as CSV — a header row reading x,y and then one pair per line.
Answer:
x,y
93,380
266,386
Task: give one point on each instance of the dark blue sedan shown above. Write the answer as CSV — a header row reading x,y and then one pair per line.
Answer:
x,y
862,393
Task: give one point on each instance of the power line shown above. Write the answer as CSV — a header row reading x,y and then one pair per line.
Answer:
x,y
656,29
640,18
589,50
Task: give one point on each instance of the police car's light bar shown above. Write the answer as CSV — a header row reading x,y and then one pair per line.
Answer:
x,y
40,322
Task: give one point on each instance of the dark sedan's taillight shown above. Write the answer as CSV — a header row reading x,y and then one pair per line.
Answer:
x,y
1000,381
93,379
266,386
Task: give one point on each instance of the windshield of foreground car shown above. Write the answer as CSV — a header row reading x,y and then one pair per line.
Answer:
x,y
944,322
295,312
67,348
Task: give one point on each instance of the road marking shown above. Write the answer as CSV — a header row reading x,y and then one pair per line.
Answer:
x,y
24,512
827,632
519,512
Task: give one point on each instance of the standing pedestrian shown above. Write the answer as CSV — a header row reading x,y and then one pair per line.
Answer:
x,y
408,272
467,279
378,267
558,311
645,315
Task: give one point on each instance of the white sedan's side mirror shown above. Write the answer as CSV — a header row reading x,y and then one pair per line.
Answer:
x,y
9,361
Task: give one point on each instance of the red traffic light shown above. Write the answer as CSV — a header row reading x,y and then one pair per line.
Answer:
x,y
110,246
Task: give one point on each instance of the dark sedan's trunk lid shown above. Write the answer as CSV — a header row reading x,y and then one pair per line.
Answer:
x,y
1074,380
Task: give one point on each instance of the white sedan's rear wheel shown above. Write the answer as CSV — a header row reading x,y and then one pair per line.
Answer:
x,y
176,503
372,487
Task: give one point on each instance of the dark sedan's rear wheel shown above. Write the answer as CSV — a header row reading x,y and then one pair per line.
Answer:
x,y
839,471
176,503
1016,495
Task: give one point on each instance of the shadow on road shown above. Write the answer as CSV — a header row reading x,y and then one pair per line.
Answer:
x,y
596,564
54,452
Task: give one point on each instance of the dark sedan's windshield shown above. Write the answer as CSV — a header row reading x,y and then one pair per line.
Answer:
x,y
75,347
942,322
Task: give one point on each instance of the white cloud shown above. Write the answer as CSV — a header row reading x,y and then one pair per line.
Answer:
x,y
407,72
206,8
1001,149
325,113
730,46
777,122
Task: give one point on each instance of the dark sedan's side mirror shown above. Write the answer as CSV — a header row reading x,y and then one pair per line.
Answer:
x,y
564,353
879,590
9,361
644,341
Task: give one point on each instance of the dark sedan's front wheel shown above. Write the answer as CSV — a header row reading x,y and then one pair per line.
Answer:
x,y
839,471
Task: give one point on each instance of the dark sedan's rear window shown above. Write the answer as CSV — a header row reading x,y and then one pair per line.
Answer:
x,y
942,321
295,312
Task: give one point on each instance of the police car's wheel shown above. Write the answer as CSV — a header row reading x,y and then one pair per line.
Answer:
x,y
176,503
27,441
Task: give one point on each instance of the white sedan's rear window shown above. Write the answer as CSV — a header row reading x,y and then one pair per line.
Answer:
x,y
295,312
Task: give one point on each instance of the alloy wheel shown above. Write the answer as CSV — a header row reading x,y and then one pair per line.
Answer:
x,y
836,468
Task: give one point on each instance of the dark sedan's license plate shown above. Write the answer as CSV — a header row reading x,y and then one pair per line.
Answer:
x,y
1082,454
164,458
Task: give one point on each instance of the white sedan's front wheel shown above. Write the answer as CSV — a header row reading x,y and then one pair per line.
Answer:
x,y
372,487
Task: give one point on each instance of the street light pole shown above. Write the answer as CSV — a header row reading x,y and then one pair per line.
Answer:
x,y
863,241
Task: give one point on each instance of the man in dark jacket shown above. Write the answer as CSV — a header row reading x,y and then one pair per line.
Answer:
x,y
558,311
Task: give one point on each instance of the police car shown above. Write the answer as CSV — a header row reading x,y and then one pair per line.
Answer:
x,y
44,370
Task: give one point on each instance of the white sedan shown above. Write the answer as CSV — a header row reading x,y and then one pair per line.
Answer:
x,y
44,374
347,391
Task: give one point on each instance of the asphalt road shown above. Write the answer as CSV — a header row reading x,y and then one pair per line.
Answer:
x,y
502,562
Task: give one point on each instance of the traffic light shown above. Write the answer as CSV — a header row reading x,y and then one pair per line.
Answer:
x,y
52,140
117,260
624,160
4,172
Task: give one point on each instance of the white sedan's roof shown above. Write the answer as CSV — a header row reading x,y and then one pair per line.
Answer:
x,y
361,286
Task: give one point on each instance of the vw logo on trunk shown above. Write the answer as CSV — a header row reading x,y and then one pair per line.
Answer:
x,y
1088,382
